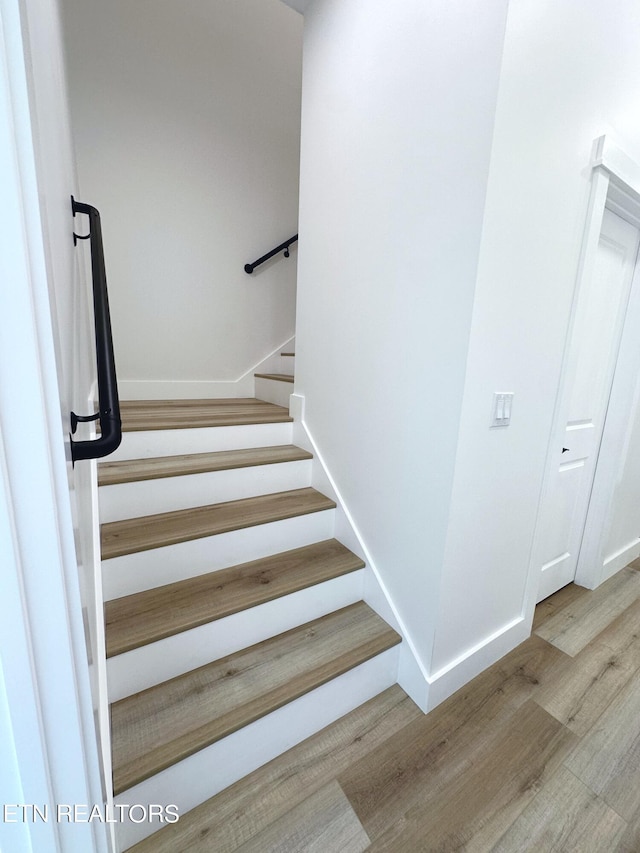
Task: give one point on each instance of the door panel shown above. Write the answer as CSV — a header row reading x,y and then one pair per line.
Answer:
x,y
592,359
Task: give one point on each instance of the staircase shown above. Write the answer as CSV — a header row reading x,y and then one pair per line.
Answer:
x,y
235,625
276,387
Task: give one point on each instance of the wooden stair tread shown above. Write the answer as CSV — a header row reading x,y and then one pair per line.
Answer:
x,y
169,528
248,808
186,414
144,617
166,723
134,470
279,377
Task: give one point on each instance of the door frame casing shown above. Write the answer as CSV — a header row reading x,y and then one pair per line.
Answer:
x,y
622,198
46,713
615,185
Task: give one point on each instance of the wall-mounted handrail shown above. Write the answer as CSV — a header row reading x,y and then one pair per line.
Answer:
x,y
249,268
108,404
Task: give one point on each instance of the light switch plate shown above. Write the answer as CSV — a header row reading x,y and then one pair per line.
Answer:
x,y
502,405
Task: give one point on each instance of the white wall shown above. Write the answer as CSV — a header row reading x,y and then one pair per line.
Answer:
x,y
570,74
397,118
186,121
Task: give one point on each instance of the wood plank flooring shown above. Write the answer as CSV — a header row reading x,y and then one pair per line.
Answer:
x,y
157,727
170,528
186,414
134,470
135,620
539,753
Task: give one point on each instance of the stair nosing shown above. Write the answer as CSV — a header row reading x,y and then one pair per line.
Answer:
x,y
108,471
111,547
277,377
177,749
344,563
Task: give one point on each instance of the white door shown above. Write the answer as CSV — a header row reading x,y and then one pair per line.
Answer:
x,y
593,353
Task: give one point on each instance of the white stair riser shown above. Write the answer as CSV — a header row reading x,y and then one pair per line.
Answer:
x,y
172,442
147,497
274,391
193,780
157,662
158,566
287,364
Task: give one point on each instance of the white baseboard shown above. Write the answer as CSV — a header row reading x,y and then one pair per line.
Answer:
x,y
620,559
457,673
201,389
426,690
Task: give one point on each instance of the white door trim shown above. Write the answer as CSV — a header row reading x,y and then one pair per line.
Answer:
x,y
616,163
46,714
615,184
623,198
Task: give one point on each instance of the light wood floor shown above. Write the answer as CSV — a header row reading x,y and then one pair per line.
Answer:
x,y
539,753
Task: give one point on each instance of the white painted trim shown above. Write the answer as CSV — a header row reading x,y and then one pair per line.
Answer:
x,y
460,671
269,364
620,559
215,768
593,568
613,174
214,389
412,676
44,684
617,163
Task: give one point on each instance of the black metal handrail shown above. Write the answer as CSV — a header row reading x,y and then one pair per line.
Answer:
x,y
249,268
108,404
